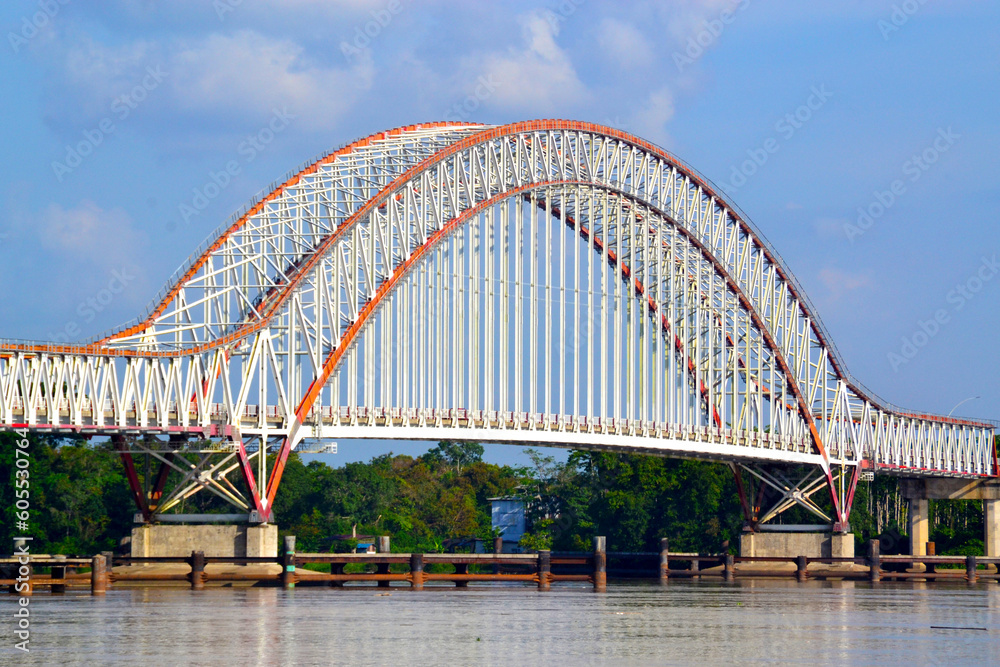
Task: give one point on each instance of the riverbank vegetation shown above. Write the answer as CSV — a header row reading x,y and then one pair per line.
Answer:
x,y
80,502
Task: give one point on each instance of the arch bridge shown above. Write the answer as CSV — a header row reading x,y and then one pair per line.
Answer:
x,y
547,282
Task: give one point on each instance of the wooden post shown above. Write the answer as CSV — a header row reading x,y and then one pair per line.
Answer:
x,y
288,563
874,562
801,563
461,568
337,568
600,564
544,570
383,568
931,568
417,572
664,560
98,576
729,568
197,576
109,565
970,569
59,572
497,550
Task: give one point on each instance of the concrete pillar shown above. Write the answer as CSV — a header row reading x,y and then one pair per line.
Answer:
x,y
801,568
197,575
544,569
497,550
98,576
288,563
918,525
991,536
874,562
600,564
970,569
664,560
383,547
417,571
59,572
461,568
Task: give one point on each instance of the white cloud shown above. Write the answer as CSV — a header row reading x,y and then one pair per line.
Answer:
x,y
624,44
85,246
651,119
239,77
687,18
88,231
539,77
248,71
839,282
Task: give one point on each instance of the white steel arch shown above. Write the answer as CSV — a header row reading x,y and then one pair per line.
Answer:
x,y
551,282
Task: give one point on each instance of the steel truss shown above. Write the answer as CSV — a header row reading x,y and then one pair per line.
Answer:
x,y
552,282
779,488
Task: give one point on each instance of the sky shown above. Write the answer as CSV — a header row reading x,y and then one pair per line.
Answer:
x,y
859,137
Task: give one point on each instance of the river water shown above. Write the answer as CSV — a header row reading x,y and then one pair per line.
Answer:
x,y
685,623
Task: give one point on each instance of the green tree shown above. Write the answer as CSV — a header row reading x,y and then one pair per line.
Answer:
x,y
455,453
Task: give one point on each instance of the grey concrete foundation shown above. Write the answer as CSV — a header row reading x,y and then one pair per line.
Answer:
x,y
790,545
991,538
152,541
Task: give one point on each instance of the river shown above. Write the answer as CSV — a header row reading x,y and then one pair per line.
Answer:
x,y
685,623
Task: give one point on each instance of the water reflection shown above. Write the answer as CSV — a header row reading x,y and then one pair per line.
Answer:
x,y
756,622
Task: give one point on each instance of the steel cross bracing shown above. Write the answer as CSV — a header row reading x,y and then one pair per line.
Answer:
x,y
547,282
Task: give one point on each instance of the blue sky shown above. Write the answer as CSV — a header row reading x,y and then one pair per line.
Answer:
x,y
806,114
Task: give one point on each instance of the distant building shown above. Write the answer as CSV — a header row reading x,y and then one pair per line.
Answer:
x,y
508,518
365,548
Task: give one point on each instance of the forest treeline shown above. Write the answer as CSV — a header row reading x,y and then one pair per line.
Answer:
x,y
80,501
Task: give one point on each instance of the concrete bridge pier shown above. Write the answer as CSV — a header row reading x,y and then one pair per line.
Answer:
x,y
991,538
918,522
919,492
224,540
